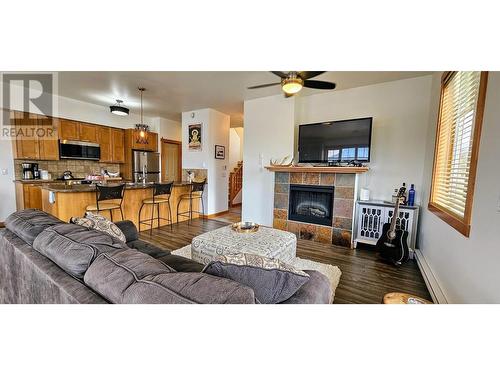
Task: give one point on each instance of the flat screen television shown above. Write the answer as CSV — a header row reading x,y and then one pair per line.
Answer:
x,y
335,141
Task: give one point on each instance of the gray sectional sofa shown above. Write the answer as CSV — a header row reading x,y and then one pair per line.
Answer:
x,y
43,260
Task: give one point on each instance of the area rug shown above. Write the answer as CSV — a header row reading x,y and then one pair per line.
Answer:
x,y
333,273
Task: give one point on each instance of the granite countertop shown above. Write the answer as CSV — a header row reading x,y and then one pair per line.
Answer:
x,y
37,181
59,188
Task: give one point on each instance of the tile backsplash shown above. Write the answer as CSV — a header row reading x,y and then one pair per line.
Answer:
x,y
79,168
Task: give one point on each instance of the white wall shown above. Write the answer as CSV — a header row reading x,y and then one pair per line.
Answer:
x,y
400,111
240,131
215,131
234,149
70,109
168,129
269,132
467,269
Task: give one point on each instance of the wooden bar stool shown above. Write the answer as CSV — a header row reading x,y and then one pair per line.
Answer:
x,y
196,192
107,198
161,195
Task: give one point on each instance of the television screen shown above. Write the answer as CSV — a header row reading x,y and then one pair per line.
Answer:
x,y
335,141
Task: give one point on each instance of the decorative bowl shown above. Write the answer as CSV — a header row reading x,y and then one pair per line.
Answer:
x,y
245,227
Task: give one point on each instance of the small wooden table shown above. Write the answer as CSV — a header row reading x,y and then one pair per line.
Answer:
x,y
404,298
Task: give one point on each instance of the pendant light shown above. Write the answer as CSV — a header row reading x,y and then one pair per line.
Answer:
x,y
118,109
142,127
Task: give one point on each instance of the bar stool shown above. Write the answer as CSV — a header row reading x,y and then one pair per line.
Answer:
x,y
161,194
196,192
103,195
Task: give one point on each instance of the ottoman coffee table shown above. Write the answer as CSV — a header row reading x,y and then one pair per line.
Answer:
x,y
268,242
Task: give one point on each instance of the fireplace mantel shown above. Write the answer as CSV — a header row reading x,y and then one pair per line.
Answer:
x,y
275,168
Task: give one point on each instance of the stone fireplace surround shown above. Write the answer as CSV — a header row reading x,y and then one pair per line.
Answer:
x,y
340,233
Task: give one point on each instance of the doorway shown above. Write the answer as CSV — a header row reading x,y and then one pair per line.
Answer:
x,y
171,160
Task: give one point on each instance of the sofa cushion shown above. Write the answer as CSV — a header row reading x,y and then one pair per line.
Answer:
x,y
133,277
272,280
148,248
129,230
100,223
73,248
188,287
181,264
112,273
317,289
28,224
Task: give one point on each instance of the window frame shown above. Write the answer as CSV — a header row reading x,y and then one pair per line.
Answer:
x,y
462,225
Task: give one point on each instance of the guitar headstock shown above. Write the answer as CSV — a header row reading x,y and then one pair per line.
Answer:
x,y
401,192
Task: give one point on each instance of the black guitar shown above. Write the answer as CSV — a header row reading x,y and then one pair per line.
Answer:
x,y
393,243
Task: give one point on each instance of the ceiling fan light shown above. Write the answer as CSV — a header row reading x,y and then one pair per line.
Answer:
x,y
292,85
118,109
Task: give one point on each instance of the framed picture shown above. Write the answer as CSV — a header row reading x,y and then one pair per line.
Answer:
x,y
194,137
220,152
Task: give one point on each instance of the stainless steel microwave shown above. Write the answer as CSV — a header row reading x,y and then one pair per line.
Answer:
x,y
79,150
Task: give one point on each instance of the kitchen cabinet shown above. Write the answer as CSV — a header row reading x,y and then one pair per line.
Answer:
x,y
69,130
88,132
133,136
104,140
112,145
36,137
28,195
118,145
152,144
49,144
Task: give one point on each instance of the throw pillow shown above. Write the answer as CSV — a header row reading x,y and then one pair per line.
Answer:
x,y
100,223
272,280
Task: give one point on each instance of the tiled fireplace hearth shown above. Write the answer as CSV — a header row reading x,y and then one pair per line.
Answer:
x,y
315,206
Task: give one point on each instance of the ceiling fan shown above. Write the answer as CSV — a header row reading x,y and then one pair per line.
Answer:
x,y
292,82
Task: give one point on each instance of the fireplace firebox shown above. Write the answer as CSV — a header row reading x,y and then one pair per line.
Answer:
x,y
311,204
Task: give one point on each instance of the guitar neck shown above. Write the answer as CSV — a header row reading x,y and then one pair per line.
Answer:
x,y
395,217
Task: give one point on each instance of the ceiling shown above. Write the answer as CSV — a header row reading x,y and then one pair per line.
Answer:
x,y
168,94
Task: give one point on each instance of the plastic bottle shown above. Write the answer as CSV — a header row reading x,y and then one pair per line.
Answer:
x,y
411,195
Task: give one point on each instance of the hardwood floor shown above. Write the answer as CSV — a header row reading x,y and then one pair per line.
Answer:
x,y
233,216
365,278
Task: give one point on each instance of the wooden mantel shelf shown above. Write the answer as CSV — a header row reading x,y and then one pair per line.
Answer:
x,y
318,169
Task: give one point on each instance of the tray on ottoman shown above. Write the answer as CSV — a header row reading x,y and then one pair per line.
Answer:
x,y
268,242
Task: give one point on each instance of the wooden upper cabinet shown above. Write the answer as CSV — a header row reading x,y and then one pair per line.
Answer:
x,y
26,144
152,144
133,137
105,143
69,130
88,132
118,145
48,143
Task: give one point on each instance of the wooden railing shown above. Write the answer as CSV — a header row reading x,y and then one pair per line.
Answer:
x,y
235,182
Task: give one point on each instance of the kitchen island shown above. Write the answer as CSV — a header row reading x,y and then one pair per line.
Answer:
x,y
66,201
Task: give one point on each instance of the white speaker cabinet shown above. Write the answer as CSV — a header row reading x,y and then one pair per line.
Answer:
x,y
371,216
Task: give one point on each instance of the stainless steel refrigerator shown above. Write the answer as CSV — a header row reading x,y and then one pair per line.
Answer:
x,y
146,166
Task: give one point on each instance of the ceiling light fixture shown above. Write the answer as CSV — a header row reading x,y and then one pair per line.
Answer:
x,y
118,109
142,127
292,84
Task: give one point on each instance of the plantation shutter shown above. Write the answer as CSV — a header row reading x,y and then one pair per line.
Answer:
x,y
454,143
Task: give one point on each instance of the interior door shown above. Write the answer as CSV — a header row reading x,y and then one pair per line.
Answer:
x,y
171,161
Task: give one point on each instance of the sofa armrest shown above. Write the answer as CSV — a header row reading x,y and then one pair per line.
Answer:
x,y
129,230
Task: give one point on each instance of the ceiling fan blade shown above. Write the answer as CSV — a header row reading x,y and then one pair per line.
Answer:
x,y
280,74
307,75
265,85
322,85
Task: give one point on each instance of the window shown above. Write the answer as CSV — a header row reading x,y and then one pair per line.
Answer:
x,y
457,146
362,153
349,153
333,155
